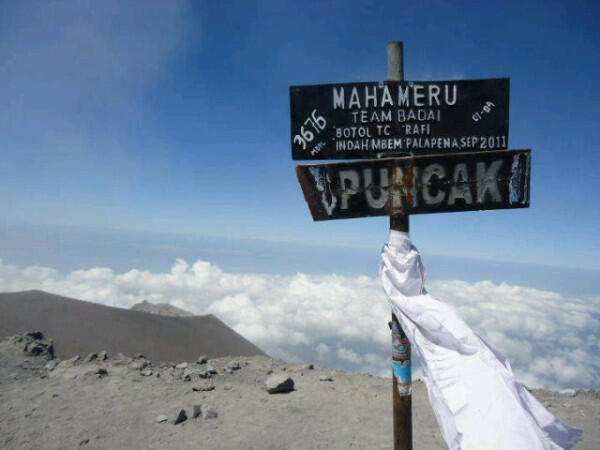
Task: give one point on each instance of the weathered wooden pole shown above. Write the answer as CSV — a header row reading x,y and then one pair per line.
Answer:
x,y
401,389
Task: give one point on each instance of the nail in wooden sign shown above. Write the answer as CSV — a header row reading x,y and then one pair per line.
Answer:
x,y
362,120
417,185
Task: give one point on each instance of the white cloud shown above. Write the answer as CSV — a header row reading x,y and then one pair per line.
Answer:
x,y
550,340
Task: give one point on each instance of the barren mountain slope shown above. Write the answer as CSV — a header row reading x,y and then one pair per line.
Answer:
x,y
79,327
118,404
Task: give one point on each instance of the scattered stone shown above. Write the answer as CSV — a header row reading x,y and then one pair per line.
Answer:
x,y
51,365
202,360
189,375
38,335
91,357
208,412
181,417
67,363
139,356
162,418
101,372
309,367
147,372
227,387
102,356
279,384
325,378
33,343
197,411
233,365
210,369
204,386
85,441
182,365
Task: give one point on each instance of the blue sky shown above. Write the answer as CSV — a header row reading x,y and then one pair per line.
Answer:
x,y
175,117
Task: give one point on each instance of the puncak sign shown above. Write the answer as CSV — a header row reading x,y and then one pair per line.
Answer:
x,y
441,147
417,185
362,120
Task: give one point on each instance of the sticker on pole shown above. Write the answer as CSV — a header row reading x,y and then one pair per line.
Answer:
x,y
362,120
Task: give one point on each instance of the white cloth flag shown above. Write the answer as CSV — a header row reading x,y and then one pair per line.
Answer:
x,y
476,400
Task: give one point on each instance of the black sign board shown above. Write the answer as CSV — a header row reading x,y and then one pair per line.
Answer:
x,y
417,184
362,120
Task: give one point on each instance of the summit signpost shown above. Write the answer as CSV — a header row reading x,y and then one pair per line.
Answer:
x,y
360,120
422,147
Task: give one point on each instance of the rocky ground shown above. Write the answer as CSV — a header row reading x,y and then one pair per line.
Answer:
x,y
120,402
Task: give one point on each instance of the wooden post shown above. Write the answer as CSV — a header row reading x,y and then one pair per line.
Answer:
x,y
401,390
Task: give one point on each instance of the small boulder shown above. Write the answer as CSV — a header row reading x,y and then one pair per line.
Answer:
x,y
279,384
182,365
102,356
35,334
208,412
325,378
147,372
162,418
210,369
308,367
202,360
197,411
51,365
67,363
204,386
91,357
101,372
233,365
181,417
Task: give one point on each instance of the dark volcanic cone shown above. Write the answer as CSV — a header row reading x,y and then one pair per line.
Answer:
x,y
79,327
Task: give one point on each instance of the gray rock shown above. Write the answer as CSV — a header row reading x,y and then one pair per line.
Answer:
x,y
308,367
35,334
181,417
101,372
279,384
161,419
187,375
147,372
208,412
91,357
67,363
51,365
210,369
233,365
325,378
202,360
204,386
102,356
182,365
197,411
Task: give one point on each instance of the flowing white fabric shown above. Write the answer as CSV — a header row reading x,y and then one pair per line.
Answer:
x,y
476,400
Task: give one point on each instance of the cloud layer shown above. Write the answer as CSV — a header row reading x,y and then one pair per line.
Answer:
x,y
551,341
